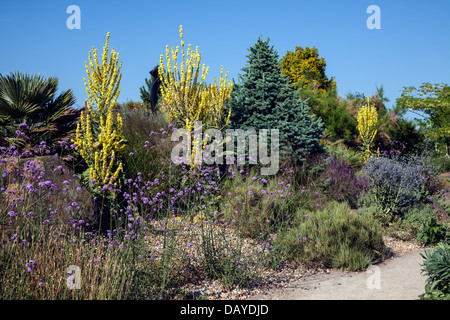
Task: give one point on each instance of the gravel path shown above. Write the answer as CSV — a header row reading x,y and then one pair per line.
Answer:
x,y
398,278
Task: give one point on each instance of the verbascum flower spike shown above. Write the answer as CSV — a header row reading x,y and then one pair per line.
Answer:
x,y
101,148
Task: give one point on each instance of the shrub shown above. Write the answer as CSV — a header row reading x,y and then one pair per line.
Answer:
x,y
346,155
398,181
437,268
432,233
443,162
257,204
334,237
412,220
340,182
148,143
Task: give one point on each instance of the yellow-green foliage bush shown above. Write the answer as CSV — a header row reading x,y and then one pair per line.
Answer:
x,y
305,69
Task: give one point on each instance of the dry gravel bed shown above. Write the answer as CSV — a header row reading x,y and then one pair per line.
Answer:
x,y
211,289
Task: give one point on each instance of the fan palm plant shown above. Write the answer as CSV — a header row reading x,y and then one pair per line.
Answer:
x,y
33,100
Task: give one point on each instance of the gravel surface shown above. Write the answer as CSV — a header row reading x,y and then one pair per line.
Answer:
x,y
272,284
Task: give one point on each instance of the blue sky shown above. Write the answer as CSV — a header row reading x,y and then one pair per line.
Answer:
x,y
412,46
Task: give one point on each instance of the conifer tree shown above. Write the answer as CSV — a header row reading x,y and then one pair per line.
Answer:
x,y
264,99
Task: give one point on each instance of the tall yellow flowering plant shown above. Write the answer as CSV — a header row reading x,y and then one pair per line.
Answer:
x,y
99,137
185,98
367,126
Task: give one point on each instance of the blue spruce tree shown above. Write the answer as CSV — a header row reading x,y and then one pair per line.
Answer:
x,y
264,99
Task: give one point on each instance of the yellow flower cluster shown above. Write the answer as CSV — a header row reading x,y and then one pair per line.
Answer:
x,y
99,138
367,126
184,95
102,85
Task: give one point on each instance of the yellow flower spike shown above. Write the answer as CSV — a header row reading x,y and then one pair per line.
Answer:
x,y
100,151
367,120
184,95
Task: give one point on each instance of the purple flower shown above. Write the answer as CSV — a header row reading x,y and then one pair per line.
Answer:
x,y
30,265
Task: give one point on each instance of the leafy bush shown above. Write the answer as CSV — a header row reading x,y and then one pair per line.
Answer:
x,y
412,220
398,181
432,233
334,237
437,268
443,162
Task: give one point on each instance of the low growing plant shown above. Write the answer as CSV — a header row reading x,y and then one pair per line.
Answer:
x,y
432,233
399,181
334,237
436,267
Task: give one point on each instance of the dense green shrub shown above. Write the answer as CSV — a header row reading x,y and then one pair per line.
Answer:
x,y
443,162
339,123
335,237
413,219
432,233
436,267
349,156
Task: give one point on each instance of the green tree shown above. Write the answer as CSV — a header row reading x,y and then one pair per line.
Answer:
x,y
33,99
432,103
305,67
264,100
333,110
